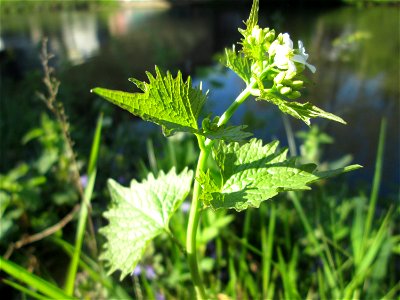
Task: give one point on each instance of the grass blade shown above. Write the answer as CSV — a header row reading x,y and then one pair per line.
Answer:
x,y
36,282
364,268
93,269
236,239
23,289
267,243
321,285
73,268
288,274
242,258
332,282
232,285
377,179
152,156
393,291
357,227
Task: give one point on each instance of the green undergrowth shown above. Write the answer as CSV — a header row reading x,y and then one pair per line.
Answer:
x,y
313,245
305,245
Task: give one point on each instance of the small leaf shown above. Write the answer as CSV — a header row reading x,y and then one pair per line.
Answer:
x,y
138,214
228,133
211,130
166,101
253,17
253,173
302,111
238,63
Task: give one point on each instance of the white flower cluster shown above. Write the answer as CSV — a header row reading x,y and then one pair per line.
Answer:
x,y
285,56
274,58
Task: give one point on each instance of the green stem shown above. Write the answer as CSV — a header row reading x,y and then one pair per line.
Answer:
x,y
194,218
235,105
195,209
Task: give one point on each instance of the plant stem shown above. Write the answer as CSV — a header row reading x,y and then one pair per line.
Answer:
x,y
195,209
194,217
235,105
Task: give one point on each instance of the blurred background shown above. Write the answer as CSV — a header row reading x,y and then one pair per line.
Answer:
x,y
103,43
354,45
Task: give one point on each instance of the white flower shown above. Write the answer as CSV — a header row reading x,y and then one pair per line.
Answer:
x,y
302,57
286,56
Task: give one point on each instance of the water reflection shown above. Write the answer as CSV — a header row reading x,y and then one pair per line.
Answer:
x,y
79,34
354,51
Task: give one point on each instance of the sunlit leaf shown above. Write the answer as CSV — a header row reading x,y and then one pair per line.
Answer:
x,y
252,173
229,133
166,101
302,111
138,214
238,63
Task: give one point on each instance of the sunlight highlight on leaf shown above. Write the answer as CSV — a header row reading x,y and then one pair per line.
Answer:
x,y
140,213
254,172
166,101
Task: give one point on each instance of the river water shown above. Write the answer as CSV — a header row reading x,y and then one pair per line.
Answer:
x,y
355,50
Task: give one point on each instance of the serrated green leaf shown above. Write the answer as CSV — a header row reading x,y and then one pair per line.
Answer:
x,y
211,130
228,133
166,101
138,214
238,63
302,111
252,173
253,17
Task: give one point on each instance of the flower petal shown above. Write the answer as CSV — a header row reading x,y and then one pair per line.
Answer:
x,y
287,41
311,67
299,58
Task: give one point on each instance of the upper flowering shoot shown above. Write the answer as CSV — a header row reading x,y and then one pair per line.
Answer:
x,y
271,68
256,43
287,58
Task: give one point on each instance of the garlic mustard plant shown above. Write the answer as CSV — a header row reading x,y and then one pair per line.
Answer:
x,y
250,171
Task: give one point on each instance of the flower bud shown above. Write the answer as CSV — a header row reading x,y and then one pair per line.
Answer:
x,y
255,68
289,75
206,123
279,78
285,90
251,40
270,36
294,95
279,38
297,83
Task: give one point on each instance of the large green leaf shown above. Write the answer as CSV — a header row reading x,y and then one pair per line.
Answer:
x,y
302,111
166,101
252,173
138,214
